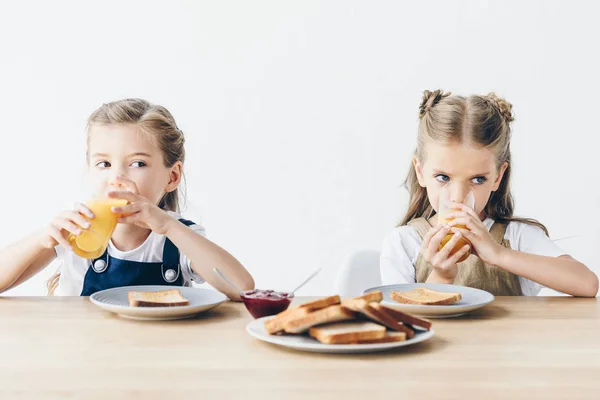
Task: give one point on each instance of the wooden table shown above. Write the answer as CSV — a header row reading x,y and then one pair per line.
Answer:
x,y
517,347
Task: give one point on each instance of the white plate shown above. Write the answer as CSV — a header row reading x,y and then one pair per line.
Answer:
x,y
115,300
256,328
472,299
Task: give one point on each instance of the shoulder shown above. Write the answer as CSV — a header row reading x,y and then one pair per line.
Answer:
x,y
403,237
517,230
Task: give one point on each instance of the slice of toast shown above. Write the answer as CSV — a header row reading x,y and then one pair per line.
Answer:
x,y
354,302
276,324
380,316
424,296
348,332
321,303
406,319
163,298
327,315
388,338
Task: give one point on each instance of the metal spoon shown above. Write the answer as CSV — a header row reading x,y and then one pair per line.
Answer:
x,y
306,280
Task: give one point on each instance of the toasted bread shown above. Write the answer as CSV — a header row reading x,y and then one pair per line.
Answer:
x,y
354,302
406,319
379,316
388,338
277,323
163,298
348,332
330,314
321,303
424,296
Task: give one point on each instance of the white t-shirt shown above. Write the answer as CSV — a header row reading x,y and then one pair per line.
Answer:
x,y
74,268
401,249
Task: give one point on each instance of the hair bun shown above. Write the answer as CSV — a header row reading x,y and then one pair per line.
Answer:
x,y
430,99
502,106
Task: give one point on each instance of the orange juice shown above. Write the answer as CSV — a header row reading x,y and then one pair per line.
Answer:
x,y
92,242
461,242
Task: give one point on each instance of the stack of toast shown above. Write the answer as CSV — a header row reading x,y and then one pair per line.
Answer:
x,y
358,320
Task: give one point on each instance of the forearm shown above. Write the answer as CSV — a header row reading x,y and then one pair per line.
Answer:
x,y
205,255
16,258
563,274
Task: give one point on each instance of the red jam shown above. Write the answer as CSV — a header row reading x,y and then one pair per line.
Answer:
x,y
261,303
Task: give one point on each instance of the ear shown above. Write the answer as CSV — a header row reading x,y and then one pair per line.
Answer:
x,y
419,172
175,175
500,176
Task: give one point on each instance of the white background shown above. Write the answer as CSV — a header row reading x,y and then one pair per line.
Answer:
x,y
301,116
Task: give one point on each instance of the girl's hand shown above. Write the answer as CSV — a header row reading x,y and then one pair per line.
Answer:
x,y
65,223
444,266
484,245
140,211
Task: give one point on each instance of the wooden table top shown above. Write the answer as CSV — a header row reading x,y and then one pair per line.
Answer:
x,y
516,347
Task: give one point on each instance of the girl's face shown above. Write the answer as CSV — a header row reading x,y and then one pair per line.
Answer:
x,y
123,151
463,168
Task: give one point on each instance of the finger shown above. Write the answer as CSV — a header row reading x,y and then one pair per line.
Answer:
x,y
126,210
428,236
434,244
124,195
448,247
458,255
455,214
466,221
85,210
467,209
77,218
127,184
131,220
67,225
469,235
60,238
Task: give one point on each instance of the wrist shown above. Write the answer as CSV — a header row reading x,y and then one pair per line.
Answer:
x,y
169,226
497,255
436,277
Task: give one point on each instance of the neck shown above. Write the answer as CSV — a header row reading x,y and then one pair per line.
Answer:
x,y
129,237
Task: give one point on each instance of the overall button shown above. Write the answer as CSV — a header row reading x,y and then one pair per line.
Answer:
x,y
99,266
170,275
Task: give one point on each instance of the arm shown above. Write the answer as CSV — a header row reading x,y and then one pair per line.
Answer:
x,y
22,260
25,258
205,255
563,273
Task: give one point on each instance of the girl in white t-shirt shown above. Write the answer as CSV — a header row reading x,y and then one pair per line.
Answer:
x,y
463,144
135,151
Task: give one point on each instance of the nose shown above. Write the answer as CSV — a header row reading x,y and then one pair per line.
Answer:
x,y
116,173
459,192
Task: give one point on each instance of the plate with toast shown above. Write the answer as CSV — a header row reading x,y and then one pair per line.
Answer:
x,y
332,325
432,300
157,302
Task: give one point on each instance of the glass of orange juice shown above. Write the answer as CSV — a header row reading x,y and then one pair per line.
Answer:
x,y
92,242
445,205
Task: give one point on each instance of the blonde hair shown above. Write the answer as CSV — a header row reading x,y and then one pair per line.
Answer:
x,y
159,125
482,120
